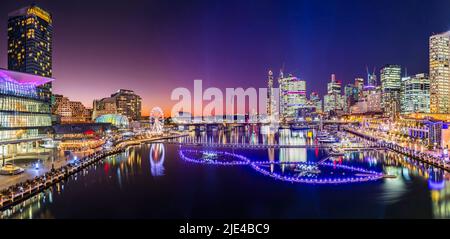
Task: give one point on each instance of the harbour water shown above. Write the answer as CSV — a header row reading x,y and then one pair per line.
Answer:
x,y
155,181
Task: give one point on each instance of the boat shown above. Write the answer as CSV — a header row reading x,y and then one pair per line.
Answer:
x,y
329,140
336,152
323,134
300,127
11,169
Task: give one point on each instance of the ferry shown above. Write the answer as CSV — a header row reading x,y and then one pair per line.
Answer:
x,y
300,127
336,152
329,140
323,134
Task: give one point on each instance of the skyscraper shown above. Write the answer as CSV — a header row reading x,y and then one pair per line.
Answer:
x,y
30,33
315,100
333,100
415,94
293,97
359,83
351,93
390,76
270,97
440,73
371,80
335,86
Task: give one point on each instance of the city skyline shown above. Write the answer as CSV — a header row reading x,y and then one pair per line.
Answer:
x,y
340,106
156,61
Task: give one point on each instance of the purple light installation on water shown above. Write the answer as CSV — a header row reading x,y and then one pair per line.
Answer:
x,y
361,175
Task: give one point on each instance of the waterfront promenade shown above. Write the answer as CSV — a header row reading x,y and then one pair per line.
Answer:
x,y
27,187
425,157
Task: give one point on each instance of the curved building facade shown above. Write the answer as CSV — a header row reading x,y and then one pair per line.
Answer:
x,y
118,121
24,113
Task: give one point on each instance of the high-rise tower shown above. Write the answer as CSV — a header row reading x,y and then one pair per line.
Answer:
x,y
30,33
440,73
270,98
390,76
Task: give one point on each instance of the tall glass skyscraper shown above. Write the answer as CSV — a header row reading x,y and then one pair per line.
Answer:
x,y
333,100
292,97
440,73
270,96
415,94
30,33
24,114
390,76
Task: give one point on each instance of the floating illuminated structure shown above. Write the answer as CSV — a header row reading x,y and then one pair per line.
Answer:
x,y
302,169
10,169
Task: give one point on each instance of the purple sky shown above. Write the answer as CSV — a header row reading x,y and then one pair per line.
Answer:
x,y
153,47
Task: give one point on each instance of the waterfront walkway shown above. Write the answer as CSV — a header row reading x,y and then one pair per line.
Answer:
x,y
421,156
23,190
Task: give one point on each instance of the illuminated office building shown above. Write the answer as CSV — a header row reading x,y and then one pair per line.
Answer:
x,y
440,73
335,86
390,76
315,100
25,116
333,101
293,97
371,81
415,94
359,83
270,96
351,93
30,34
374,103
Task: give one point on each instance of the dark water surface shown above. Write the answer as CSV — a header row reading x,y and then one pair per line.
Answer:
x,y
152,181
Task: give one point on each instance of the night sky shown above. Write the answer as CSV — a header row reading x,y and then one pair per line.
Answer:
x,y
153,47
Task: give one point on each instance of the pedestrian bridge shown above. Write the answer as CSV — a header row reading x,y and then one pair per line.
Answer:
x,y
273,146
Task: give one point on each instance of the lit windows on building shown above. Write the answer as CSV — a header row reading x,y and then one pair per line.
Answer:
x,y
315,100
415,94
70,111
24,114
30,34
292,97
123,102
390,76
333,101
440,73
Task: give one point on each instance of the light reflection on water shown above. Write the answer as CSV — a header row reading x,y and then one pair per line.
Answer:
x,y
413,179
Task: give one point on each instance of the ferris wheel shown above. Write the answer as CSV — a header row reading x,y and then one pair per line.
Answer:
x,y
157,120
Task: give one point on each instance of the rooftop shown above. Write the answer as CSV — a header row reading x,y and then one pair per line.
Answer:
x,y
23,78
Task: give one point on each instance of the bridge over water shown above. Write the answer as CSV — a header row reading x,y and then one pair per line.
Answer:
x,y
274,146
